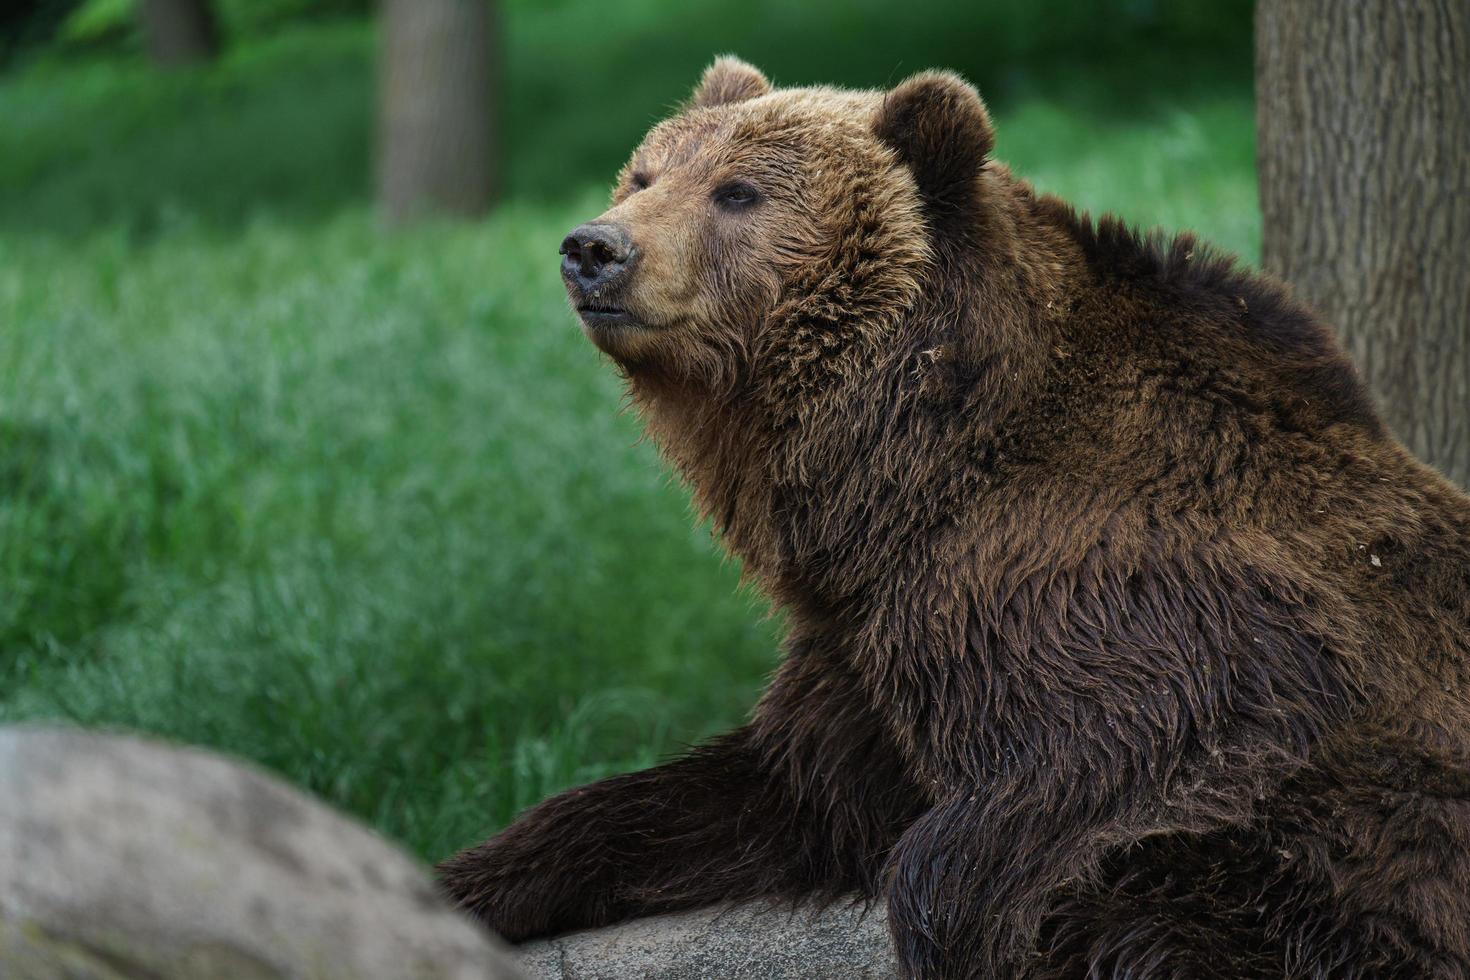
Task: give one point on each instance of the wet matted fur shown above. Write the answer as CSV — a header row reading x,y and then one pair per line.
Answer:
x,y
1125,641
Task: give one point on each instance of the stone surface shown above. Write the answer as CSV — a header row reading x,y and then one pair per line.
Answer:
x,y
751,942
123,858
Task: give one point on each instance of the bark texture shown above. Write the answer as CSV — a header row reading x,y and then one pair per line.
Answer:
x,y
179,32
436,149
1363,122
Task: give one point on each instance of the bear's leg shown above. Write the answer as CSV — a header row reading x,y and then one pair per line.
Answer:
x,y
1339,878
644,842
971,882
1379,856
806,799
966,884
1346,883
1203,906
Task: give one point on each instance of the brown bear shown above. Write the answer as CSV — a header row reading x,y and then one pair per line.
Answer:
x,y
1124,640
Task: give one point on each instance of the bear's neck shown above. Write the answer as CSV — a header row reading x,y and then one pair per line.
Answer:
x,y
854,436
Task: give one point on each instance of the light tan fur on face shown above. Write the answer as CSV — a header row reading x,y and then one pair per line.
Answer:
x,y
707,280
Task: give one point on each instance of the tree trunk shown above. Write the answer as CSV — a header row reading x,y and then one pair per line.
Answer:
x,y
179,32
1363,127
436,129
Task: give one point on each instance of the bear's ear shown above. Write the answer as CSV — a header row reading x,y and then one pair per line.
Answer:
x,y
729,80
940,129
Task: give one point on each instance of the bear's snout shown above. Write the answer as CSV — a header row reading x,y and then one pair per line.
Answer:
x,y
596,260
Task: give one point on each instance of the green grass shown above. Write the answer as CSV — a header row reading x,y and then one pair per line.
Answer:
x,y
364,508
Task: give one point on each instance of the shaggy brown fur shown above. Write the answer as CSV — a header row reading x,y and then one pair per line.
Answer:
x,y
1124,640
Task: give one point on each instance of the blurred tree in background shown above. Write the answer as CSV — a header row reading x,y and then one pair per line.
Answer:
x,y
436,139
39,27
179,32
1363,116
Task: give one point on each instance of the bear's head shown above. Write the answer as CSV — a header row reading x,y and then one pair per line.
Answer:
x,y
799,285
763,229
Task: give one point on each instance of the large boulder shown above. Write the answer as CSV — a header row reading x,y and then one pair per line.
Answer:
x,y
127,859
124,858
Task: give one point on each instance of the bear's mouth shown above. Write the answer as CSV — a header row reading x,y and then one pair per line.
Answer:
x,y
600,315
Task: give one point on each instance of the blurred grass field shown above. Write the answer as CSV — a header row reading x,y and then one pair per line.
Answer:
x,y
365,508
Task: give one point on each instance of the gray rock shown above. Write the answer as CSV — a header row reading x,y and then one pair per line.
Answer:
x,y
751,942
123,858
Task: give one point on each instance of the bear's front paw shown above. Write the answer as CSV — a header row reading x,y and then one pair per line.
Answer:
x,y
491,895
511,900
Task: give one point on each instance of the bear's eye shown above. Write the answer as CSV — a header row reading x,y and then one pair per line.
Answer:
x,y
639,181
735,195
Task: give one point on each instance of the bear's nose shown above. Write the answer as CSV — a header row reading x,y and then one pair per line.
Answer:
x,y
595,254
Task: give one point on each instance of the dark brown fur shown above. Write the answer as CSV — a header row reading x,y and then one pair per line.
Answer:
x,y
1124,639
